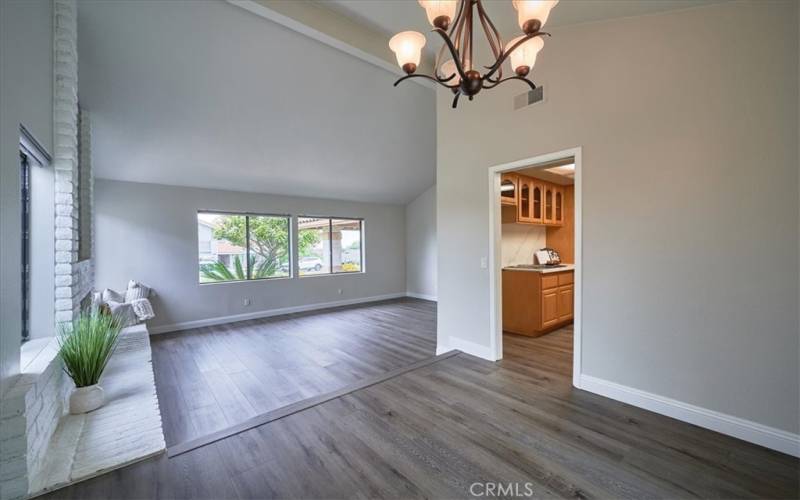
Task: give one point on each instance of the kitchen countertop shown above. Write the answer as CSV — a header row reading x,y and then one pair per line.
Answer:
x,y
567,267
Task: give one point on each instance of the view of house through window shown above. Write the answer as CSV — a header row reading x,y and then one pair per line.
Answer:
x,y
235,247
347,253
313,236
329,245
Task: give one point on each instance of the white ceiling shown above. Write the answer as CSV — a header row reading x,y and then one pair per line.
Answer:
x,y
205,94
392,16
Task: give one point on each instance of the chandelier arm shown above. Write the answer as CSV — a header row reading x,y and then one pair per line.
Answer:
x,y
489,31
515,77
453,52
492,35
467,53
420,75
453,25
494,67
459,14
455,100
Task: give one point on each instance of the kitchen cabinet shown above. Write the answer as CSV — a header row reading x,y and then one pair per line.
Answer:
x,y
558,205
536,303
524,200
532,201
508,189
566,300
549,211
536,203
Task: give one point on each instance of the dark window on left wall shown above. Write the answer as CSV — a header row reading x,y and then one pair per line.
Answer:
x,y
25,191
242,247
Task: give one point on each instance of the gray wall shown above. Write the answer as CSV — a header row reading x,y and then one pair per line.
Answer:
x,y
148,232
421,245
26,97
689,127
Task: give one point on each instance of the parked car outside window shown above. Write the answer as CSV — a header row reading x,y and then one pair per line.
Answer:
x,y
310,264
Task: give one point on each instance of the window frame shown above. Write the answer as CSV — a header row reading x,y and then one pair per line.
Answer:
x,y
331,218
247,216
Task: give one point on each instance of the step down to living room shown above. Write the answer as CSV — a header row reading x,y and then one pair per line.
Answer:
x,y
291,409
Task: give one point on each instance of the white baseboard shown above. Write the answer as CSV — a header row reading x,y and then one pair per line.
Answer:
x,y
221,320
466,346
422,296
747,430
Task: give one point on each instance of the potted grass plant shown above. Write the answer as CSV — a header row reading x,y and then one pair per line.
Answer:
x,y
85,346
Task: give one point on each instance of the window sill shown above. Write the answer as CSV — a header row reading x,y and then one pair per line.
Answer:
x,y
236,282
357,273
36,355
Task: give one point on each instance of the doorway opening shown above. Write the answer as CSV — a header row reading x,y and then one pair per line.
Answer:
x,y
535,257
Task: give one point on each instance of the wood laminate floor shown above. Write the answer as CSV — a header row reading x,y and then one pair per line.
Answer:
x,y
214,377
438,430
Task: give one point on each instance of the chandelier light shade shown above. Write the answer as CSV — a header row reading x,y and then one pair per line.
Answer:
x,y
532,14
440,12
448,70
523,59
454,21
407,47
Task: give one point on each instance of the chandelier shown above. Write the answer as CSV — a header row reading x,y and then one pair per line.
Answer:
x,y
453,20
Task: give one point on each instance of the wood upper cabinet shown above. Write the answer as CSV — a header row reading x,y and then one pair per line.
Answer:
x,y
536,202
558,205
549,209
525,186
508,189
532,201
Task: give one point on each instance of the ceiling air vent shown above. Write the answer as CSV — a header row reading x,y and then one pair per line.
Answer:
x,y
529,97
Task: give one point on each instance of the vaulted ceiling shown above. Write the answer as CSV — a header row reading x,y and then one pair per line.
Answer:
x,y
206,94
392,16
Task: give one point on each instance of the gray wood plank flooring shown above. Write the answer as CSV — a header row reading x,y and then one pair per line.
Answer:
x,y
215,377
435,431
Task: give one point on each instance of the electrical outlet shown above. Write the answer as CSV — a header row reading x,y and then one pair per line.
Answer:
x,y
246,302
340,291
484,263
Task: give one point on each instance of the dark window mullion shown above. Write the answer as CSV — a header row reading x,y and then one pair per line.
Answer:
x,y
330,246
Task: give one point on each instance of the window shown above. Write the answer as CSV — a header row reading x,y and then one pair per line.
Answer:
x,y
239,247
347,253
329,246
313,242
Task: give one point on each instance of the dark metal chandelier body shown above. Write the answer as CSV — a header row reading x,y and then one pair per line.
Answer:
x,y
460,76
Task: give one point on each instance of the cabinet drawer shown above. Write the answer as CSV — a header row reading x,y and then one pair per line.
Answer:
x,y
565,278
549,281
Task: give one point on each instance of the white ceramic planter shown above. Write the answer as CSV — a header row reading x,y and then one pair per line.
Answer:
x,y
85,399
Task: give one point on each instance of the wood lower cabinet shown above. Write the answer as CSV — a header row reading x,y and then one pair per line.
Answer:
x,y
536,303
550,303
566,299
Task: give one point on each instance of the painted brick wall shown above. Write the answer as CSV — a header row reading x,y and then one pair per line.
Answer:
x,y
74,279
29,415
